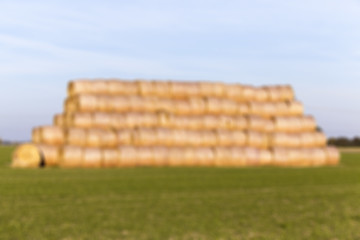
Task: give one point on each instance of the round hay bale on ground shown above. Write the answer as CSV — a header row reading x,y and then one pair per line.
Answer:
x,y
27,156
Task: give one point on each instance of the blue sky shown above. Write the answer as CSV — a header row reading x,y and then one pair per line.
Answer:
x,y
313,45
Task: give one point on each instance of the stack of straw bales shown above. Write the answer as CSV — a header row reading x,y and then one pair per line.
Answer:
x,y
115,123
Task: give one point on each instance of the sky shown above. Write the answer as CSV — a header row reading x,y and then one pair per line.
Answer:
x,y
312,45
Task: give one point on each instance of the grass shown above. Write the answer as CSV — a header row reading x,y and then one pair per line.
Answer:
x,y
181,203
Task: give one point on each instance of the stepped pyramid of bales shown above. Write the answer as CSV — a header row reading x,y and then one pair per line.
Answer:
x,y
116,123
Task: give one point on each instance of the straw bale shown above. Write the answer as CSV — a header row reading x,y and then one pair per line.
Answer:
x,y
128,156
211,89
333,155
92,158
27,156
71,156
110,158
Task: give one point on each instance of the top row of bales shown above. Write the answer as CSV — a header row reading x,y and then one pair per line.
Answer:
x,y
176,89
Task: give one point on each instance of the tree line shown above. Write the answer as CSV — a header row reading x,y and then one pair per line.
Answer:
x,y
344,141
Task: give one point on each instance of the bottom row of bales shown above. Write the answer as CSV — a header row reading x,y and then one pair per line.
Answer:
x,y
32,155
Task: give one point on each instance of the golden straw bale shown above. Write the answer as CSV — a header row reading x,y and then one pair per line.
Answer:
x,y
94,137
52,135
119,87
59,120
282,109
226,122
36,135
81,120
257,140
103,103
228,107
134,120
71,156
160,156
136,103
307,139
224,138
242,109
27,156
78,87
144,137
146,88
274,93
320,139
179,89
181,107
101,120
261,94
214,106
120,104
162,88
209,138
125,137
175,156
296,108
318,156
75,136
166,137
145,156
92,158
234,92
222,156
189,156
239,138
248,93
209,122
309,123
110,158
128,156
211,89
118,121
50,154
165,120
333,156
82,103
204,156
197,106
252,156
286,92
193,138
280,156
265,157
109,138
175,137
240,123
164,105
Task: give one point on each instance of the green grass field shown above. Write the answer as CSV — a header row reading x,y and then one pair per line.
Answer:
x,y
181,203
